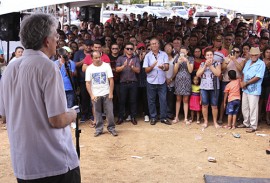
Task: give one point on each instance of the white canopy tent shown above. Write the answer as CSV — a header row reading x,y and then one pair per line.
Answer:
x,y
9,6
253,7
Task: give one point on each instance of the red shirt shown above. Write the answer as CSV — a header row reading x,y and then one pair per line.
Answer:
x,y
104,58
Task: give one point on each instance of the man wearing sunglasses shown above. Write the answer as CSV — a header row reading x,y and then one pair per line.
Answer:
x,y
128,65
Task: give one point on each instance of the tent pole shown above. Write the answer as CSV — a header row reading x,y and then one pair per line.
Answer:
x,y
101,12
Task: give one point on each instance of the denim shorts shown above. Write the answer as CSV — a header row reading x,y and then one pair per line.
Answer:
x,y
233,107
209,96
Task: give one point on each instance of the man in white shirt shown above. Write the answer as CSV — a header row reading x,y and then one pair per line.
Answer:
x,y
100,84
33,102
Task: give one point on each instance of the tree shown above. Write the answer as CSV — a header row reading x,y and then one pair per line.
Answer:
x,y
136,1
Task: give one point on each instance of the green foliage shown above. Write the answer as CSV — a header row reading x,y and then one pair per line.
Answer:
x,y
136,1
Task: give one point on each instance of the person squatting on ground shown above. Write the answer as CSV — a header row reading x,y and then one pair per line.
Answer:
x,y
40,138
99,84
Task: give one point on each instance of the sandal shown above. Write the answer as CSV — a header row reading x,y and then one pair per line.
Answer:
x,y
92,124
187,122
204,125
175,121
227,127
250,130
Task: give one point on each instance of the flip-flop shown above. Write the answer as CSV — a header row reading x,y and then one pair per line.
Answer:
x,y
92,125
204,125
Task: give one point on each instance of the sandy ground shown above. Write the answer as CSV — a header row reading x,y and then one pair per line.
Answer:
x,y
161,153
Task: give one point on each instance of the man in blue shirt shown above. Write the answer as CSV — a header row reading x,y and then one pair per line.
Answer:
x,y
156,62
66,65
251,84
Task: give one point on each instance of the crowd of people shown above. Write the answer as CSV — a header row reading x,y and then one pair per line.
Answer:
x,y
159,64
126,68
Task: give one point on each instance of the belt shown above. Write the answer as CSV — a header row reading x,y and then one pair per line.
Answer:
x,y
128,82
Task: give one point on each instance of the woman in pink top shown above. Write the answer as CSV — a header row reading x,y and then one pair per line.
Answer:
x,y
232,62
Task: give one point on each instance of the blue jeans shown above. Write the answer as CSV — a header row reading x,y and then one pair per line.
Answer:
x,y
209,96
152,91
108,109
70,98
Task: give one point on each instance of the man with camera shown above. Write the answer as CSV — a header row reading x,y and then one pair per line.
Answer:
x,y
68,71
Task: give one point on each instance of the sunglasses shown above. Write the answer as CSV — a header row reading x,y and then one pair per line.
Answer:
x,y
142,48
131,49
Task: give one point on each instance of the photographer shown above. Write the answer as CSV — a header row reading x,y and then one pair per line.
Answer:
x,y
68,71
232,62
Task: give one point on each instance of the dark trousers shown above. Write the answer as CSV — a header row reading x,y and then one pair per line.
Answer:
x,y
128,92
142,96
170,102
116,97
85,100
72,176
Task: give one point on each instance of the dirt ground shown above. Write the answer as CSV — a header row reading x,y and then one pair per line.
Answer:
x,y
161,153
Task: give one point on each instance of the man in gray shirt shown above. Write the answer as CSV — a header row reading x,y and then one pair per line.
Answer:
x,y
33,103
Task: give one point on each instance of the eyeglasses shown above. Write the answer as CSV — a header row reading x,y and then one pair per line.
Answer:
x,y
115,48
131,49
142,48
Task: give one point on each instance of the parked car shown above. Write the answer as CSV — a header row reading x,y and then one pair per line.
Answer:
x,y
179,8
181,13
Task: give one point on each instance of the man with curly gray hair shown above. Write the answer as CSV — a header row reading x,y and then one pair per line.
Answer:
x,y
33,103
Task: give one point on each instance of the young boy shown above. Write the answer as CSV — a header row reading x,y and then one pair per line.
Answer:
x,y
232,92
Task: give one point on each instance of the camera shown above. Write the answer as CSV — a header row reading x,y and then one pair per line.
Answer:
x,y
62,52
232,53
182,55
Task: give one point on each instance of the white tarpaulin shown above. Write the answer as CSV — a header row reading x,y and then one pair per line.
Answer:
x,y
255,7
9,6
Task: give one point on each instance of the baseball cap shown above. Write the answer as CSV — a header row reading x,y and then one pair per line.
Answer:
x,y
141,45
67,49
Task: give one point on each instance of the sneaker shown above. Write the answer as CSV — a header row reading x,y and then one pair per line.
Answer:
x,y
128,118
146,118
113,133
